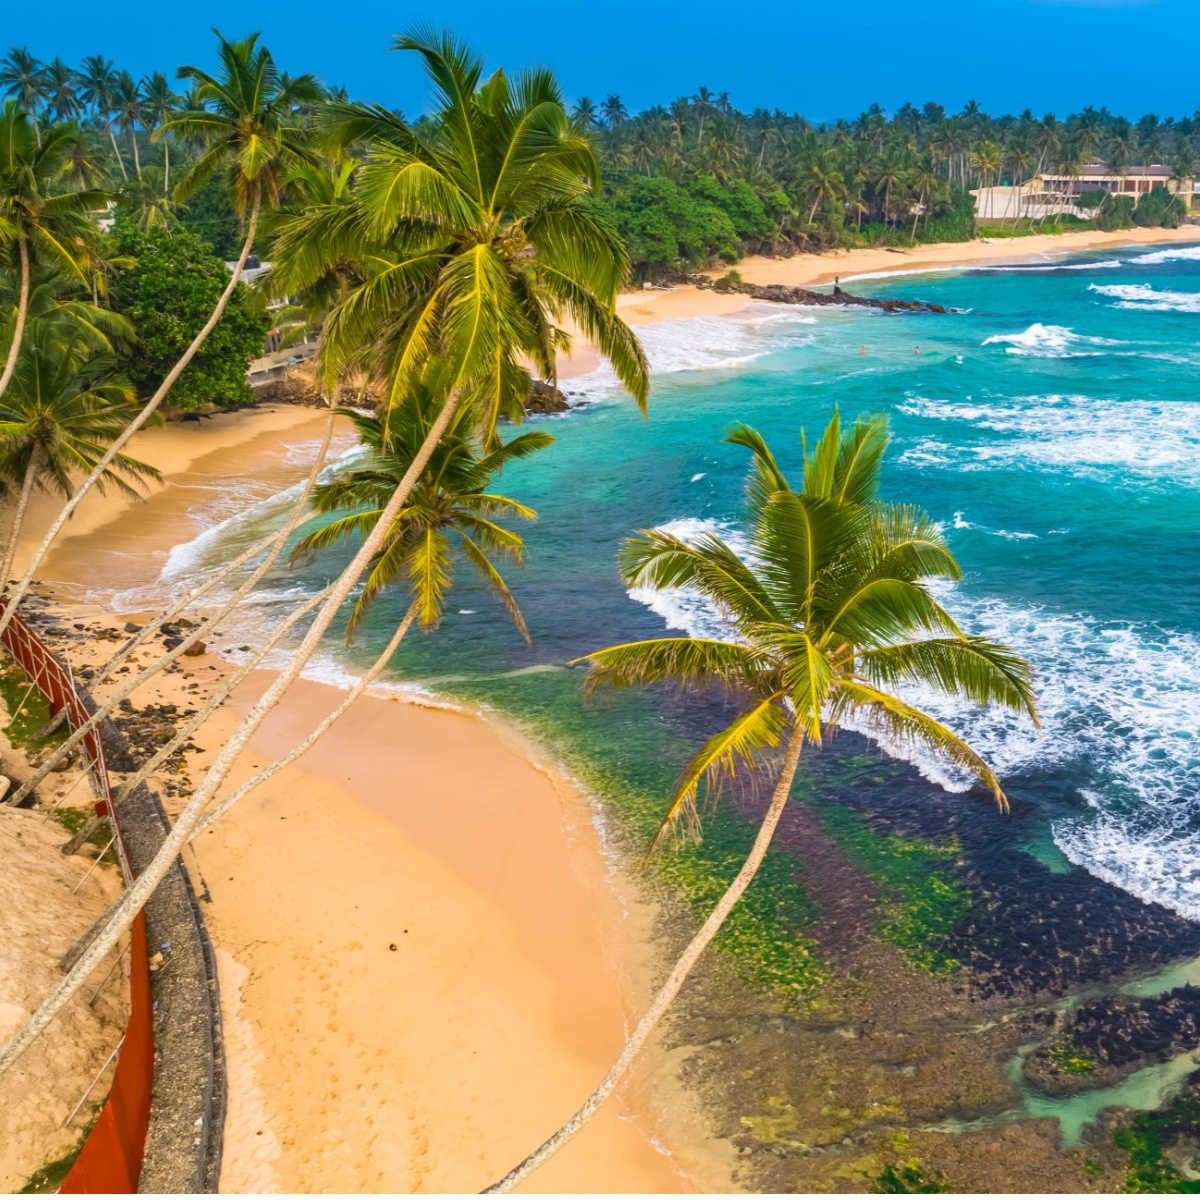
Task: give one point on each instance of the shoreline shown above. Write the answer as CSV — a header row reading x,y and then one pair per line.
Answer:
x,y
686,300
523,956
257,882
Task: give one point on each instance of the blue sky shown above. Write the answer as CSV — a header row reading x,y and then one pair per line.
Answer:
x,y
823,59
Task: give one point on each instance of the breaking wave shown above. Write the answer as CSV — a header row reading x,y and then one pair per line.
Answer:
x,y
1141,297
1119,705
1049,341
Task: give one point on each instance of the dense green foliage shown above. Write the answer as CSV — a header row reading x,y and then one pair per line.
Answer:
x,y
1159,207
167,292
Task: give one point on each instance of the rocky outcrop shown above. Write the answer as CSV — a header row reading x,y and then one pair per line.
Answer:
x,y
1107,1040
545,398
778,293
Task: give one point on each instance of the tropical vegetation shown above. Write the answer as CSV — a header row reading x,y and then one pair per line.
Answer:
x,y
831,620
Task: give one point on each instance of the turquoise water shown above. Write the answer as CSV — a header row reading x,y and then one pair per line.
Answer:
x,y
1052,426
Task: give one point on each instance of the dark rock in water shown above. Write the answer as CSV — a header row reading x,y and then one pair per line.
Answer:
x,y
171,642
778,293
545,398
1107,1039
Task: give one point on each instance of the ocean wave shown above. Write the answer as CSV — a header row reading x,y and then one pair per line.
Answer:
x,y
1118,702
1088,436
686,609
720,343
1141,297
1106,264
1009,535
1049,341
1171,254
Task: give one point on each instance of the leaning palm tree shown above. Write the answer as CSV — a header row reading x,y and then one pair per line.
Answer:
x,y
38,223
450,512
56,420
245,132
827,613
490,243
477,239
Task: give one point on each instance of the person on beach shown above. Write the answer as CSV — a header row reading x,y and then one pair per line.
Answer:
x,y
837,288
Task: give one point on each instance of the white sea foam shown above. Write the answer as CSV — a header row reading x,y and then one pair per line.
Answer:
x,y
1170,254
1087,436
697,477
1107,264
960,522
1142,297
685,609
1050,341
1117,699
719,343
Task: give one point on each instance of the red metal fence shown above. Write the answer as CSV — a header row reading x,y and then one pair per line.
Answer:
x,y
111,1158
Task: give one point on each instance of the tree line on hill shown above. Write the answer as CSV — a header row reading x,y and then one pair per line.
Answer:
x,y
685,184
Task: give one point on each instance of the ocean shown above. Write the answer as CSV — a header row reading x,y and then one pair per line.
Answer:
x,y
1051,424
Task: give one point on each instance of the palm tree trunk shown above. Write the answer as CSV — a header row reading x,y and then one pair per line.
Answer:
x,y
181,832
10,363
137,165
150,628
143,416
303,747
31,471
296,516
112,137
218,698
675,980
166,167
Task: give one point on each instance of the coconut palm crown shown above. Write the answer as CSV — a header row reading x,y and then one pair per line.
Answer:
x,y
475,237
828,611
244,122
451,511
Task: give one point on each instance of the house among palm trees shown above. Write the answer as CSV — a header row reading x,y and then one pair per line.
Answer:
x,y
1098,176
1055,192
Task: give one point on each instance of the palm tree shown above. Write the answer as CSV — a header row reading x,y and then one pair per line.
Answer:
x,y
584,114
477,240
704,104
614,111
55,421
245,131
59,83
499,164
97,88
828,612
24,78
449,512
159,102
35,223
127,108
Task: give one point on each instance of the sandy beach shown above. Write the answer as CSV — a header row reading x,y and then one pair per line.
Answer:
x,y
426,960
801,270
